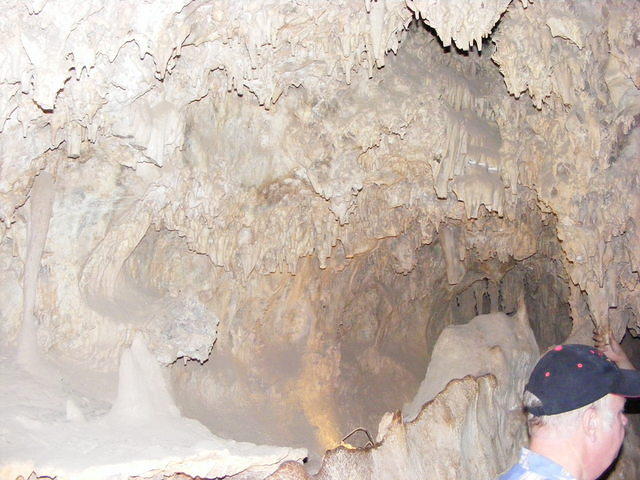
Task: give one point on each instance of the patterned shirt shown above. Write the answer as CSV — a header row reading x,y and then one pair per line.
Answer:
x,y
535,467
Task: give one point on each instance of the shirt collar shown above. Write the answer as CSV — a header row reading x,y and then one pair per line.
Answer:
x,y
542,465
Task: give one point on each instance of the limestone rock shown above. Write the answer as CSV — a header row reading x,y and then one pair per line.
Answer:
x,y
301,196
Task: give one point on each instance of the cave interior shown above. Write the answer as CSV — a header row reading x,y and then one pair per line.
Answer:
x,y
307,240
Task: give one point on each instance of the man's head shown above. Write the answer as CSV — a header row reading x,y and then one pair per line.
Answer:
x,y
595,430
575,397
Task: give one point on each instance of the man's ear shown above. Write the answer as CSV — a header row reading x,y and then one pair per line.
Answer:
x,y
590,424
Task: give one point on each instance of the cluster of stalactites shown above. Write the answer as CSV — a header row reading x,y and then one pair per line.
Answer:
x,y
578,63
76,75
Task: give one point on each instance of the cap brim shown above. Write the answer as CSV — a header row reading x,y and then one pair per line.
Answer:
x,y
628,384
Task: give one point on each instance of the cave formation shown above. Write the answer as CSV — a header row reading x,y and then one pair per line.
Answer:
x,y
306,239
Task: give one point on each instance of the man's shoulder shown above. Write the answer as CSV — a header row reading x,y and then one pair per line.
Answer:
x,y
533,466
518,473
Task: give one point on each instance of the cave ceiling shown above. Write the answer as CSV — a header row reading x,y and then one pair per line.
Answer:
x,y
264,132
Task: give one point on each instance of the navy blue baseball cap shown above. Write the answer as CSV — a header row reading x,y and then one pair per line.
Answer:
x,y
572,376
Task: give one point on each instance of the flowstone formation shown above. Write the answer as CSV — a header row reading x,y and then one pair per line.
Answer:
x,y
285,204
470,419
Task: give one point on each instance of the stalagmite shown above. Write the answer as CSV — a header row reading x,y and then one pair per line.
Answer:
x,y
143,434
501,345
40,207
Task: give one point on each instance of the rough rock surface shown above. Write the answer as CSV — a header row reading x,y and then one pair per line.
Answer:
x,y
463,422
451,438
493,343
292,199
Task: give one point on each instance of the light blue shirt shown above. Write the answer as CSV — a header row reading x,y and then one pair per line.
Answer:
x,y
532,466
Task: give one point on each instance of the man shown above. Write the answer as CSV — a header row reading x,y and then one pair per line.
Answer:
x,y
575,402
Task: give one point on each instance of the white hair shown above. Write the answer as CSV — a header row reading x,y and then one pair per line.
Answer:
x,y
565,422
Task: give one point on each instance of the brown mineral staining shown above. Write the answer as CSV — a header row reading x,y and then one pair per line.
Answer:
x,y
289,471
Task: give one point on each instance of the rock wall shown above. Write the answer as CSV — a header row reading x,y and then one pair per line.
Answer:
x,y
291,200
447,431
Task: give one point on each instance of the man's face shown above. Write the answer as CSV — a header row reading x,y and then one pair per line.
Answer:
x,y
612,429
